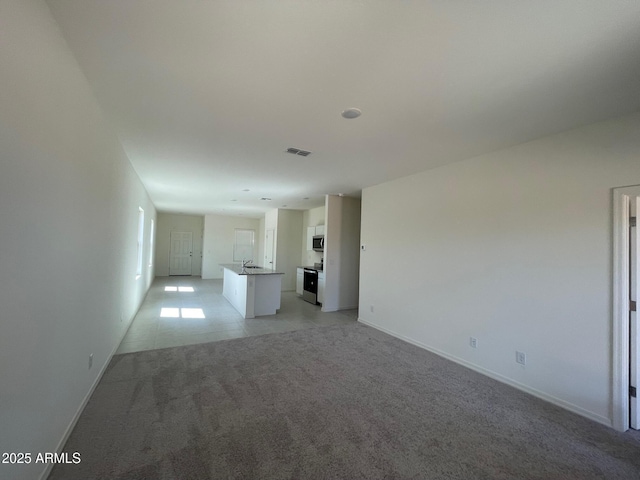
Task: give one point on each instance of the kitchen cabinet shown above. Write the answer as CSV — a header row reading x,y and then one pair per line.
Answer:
x,y
252,292
320,287
299,281
311,231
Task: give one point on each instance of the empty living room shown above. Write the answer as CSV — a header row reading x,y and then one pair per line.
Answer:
x,y
463,177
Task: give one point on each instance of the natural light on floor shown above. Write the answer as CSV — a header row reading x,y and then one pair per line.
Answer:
x,y
192,313
182,312
178,289
170,312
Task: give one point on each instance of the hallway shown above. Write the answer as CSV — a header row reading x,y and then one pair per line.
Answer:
x,y
188,310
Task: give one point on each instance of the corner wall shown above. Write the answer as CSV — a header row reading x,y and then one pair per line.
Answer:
x,y
287,242
288,246
513,248
341,253
69,202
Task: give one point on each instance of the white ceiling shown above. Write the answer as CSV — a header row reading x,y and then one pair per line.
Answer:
x,y
207,95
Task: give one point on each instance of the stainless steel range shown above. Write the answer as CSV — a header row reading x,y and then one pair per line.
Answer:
x,y
310,286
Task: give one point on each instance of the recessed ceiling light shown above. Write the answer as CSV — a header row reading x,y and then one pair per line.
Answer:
x,y
234,200
306,198
246,190
265,198
350,113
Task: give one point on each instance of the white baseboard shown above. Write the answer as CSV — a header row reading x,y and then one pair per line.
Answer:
x,y
501,378
352,307
341,309
74,420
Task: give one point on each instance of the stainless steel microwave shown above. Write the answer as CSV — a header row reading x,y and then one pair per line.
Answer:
x,y
318,243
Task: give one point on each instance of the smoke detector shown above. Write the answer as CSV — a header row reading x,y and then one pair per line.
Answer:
x,y
351,113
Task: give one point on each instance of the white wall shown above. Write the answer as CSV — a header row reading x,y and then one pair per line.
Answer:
x,y
271,219
167,223
349,277
288,246
287,227
261,239
68,244
311,218
219,237
513,248
341,253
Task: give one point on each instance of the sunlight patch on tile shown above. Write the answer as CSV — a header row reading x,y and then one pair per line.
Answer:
x,y
170,313
173,288
192,313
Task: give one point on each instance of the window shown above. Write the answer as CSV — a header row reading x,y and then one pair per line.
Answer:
x,y
243,245
151,243
140,240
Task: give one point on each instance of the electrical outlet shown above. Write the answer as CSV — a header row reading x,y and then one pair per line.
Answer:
x,y
371,307
473,342
521,358
90,361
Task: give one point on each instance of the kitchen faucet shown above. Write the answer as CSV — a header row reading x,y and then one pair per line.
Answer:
x,y
246,262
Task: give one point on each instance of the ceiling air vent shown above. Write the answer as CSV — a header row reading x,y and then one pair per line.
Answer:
x,y
297,151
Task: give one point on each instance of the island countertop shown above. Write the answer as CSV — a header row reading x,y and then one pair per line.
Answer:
x,y
253,292
249,269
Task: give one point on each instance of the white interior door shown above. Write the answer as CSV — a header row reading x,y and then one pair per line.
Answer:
x,y
268,249
634,331
181,253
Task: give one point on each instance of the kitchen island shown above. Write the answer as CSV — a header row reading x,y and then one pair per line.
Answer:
x,y
253,291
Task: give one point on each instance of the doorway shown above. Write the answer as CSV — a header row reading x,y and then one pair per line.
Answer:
x,y
626,341
268,248
180,253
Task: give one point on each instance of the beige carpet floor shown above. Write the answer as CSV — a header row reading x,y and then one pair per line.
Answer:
x,y
337,402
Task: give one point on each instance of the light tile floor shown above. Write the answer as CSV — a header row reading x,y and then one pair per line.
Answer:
x,y
150,329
